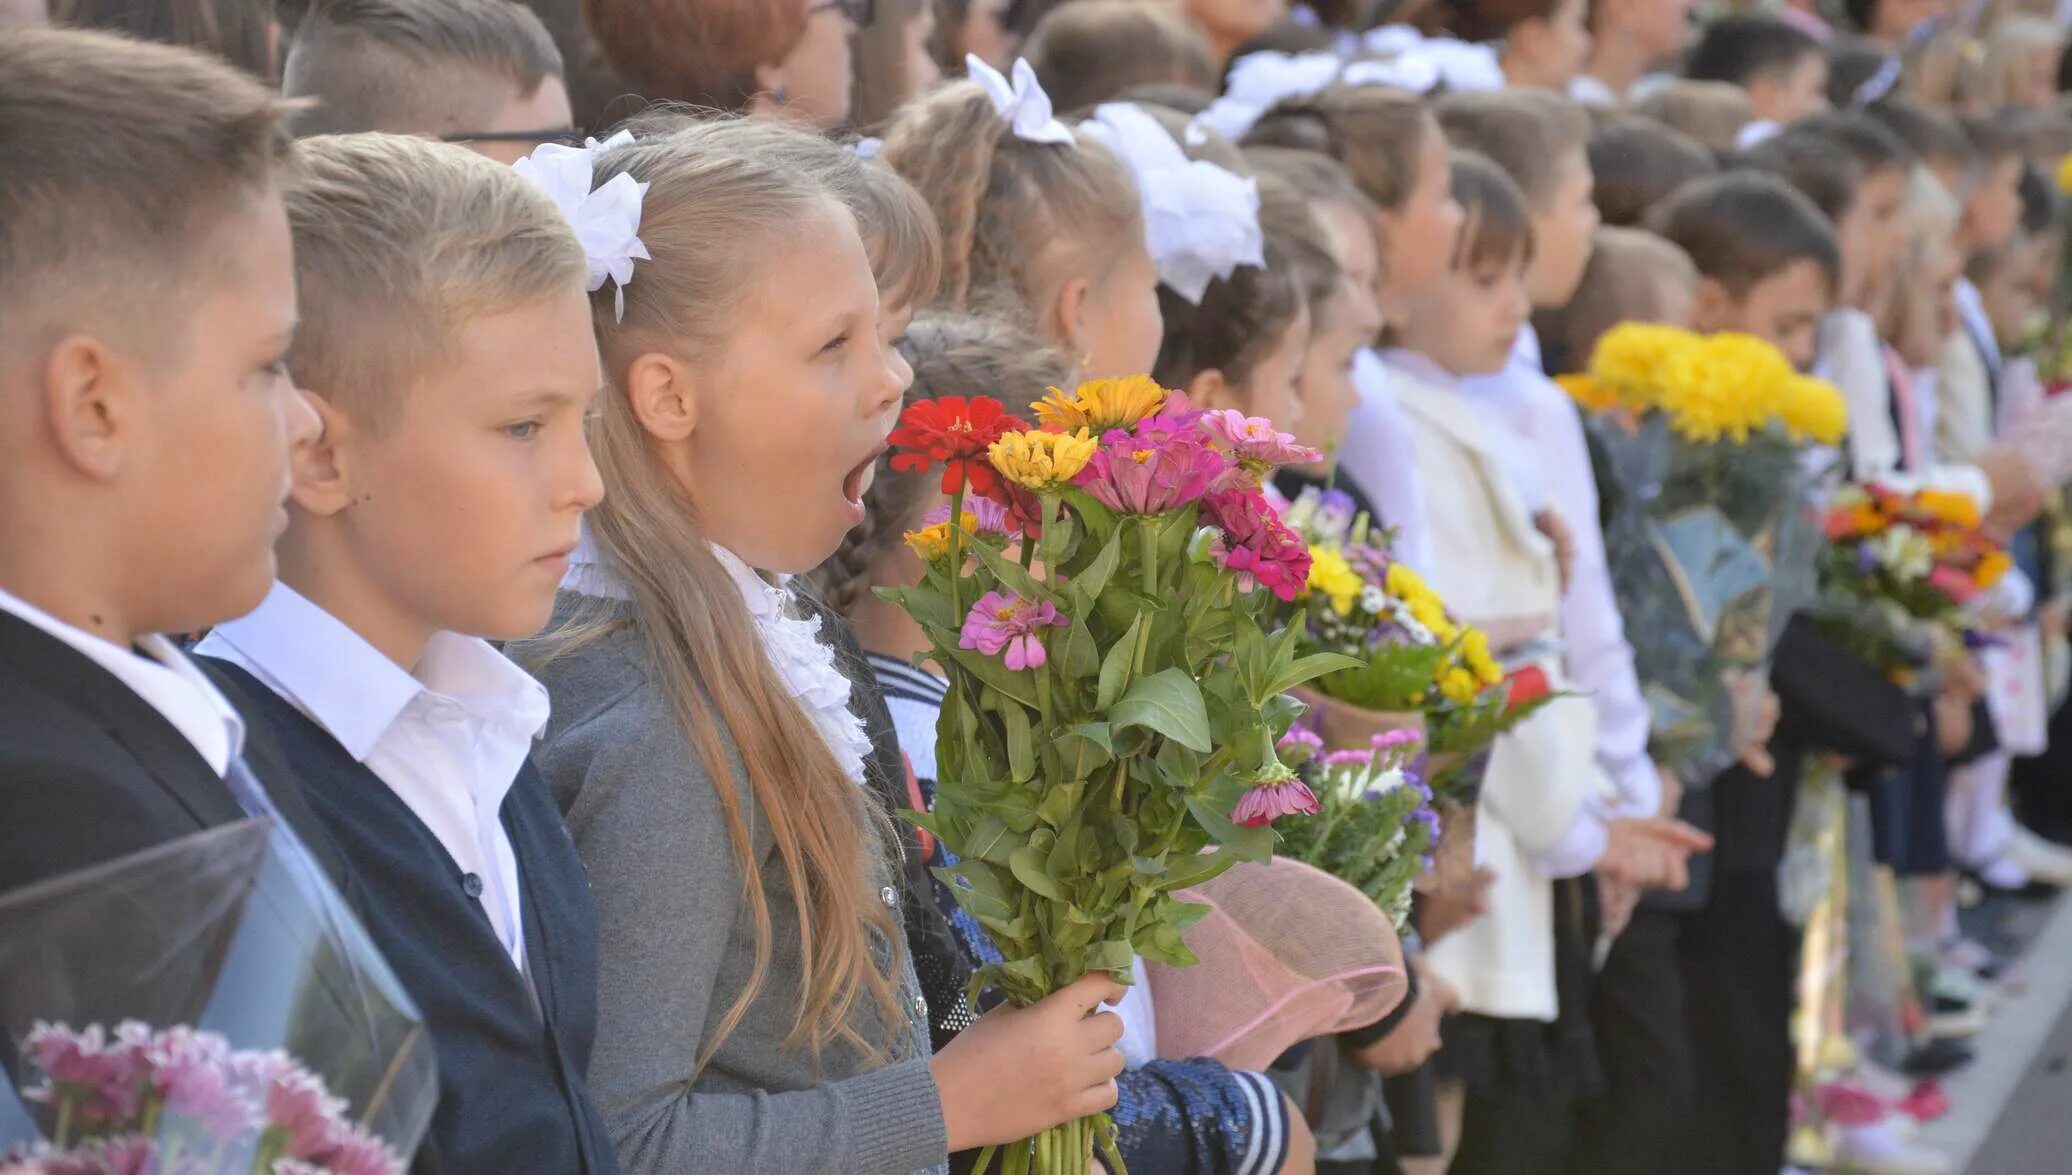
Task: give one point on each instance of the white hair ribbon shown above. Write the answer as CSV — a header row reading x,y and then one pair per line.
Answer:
x,y
606,219
867,147
1022,102
1753,134
1460,65
1258,80
1409,72
1200,221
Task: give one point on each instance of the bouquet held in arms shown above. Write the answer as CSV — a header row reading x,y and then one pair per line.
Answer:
x,y
1376,828
1097,598
209,1005
1709,530
1899,574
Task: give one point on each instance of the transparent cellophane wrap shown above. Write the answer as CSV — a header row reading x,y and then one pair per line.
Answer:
x,y
1288,952
233,931
1712,547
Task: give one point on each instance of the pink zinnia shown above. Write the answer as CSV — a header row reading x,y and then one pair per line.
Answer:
x,y
1254,441
1274,794
1153,470
1953,583
1257,546
1005,621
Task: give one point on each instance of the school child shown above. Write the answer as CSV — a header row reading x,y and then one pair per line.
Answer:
x,y
1398,157
1767,260
1038,223
480,72
1783,68
1716,114
790,59
443,343
1177,1115
147,299
1093,50
1542,44
1638,163
1633,276
1228,25
1628,40
892,61
758,1010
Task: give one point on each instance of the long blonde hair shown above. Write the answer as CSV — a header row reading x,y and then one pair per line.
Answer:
x,y
710,214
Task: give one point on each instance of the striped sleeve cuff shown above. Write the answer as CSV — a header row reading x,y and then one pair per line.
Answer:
x,y
1267,1148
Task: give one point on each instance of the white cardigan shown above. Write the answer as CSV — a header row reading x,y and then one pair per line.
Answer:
x,y
1491,564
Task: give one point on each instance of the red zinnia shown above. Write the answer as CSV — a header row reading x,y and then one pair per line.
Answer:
x,y
954,432
1528,685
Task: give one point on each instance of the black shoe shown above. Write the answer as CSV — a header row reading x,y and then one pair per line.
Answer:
x,y
1937,1057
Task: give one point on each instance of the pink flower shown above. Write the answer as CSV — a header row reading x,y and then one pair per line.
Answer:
x,y
1003,620
1274,794
1349,758
1953,583
1257,546
1300,737
1255,442
354,1152
1158,468
104,1078
991,515
304,1113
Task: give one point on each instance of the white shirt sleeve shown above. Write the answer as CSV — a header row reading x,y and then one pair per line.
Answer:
x,y
1380,457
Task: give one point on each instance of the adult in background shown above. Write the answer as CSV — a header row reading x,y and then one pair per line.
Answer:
x,y
784,58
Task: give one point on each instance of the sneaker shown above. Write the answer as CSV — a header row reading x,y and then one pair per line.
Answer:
x,y
1961,1022
2043,861
1938,1057
1876,1150
1975,957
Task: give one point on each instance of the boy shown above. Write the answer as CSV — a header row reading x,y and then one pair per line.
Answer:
x,y
480,72
1638,163
1767,260
1783,69
147,300
447,346
1092,51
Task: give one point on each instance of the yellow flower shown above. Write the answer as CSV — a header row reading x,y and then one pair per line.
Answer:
x,y
1405,584
1474,651
1813,409
1590,394
1458,685
1330,574
1725,387
1992,568
933,542
1949,506
2065,175
1102,404
1041,460
1631,358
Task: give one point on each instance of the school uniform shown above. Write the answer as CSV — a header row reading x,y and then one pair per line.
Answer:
x,y
470,883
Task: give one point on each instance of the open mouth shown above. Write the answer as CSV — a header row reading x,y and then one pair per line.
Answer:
x,y
858,482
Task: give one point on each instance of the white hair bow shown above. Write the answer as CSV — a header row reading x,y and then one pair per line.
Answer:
x,y
1258,80
1022,102
1461,65
606,220
1409,72
1200,220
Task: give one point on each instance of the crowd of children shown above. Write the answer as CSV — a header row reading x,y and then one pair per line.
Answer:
x,y
456,431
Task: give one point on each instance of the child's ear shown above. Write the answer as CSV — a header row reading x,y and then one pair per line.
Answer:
x,y
90,394
664,399
1712,308
1068,317
772,90
321,466
1210,390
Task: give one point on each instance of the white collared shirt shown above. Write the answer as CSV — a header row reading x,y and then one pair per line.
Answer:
x,y
448,739
1380,458
158,673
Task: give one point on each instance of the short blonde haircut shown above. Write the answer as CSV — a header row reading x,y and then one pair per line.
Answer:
x,y
119,163
399,242
1711,112
421,67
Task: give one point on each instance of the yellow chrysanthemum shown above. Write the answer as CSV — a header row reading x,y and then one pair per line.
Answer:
x,y
1725,387
1632,358
933,542
1813,409
1042,460
1405,584
1474,651
1992,568
1459,686
1102,404
2065,175
1330,574
1959,509
1588,393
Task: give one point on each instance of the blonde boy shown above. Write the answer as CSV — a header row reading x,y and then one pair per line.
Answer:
x,y
147,300
446,343
484,73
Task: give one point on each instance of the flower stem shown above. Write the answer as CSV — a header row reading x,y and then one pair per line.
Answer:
x,y
1147,545
63,1133
957,554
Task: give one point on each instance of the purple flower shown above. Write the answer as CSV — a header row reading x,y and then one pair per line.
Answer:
x,y
991,515
1335,512
1256,545
1274,794
1866,558
1153,470
1254,441
1003,620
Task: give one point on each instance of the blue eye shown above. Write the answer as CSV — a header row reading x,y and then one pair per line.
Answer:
x,y
522,431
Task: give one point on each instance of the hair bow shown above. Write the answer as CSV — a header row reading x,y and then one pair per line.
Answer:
x,y
1022,103
606,219
1410,72
1259,80
1200,221
1755,134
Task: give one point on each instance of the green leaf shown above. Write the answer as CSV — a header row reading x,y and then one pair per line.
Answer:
x,y
1160,943
1249,844
1084,749
1010,574
1019,686
1021,750
1169,703
1099,520
1195,869
1111,956
1309,669
1115,667
1094,580
1028,864
977,888
1082,658
992,840
1059,801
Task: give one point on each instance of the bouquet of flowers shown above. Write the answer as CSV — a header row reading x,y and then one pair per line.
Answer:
x,y
1709,530
1376,828
255,1027
1899,571
1096,597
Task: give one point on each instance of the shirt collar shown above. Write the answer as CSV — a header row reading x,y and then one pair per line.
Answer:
x,y
159,673
348,687
764,599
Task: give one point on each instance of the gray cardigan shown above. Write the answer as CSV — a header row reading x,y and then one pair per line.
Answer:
x,y
676,943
